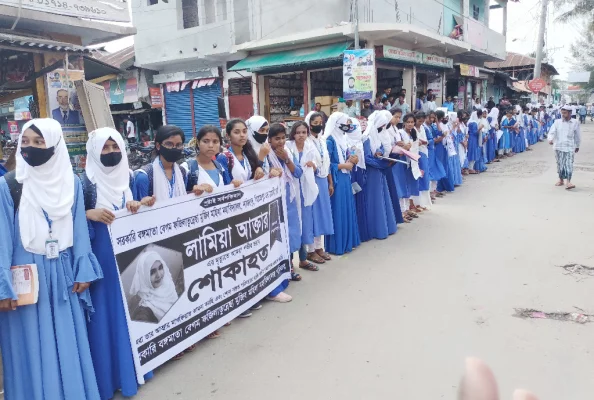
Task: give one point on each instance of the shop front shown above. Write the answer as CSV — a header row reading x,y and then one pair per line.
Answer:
x,y
289,82
467,82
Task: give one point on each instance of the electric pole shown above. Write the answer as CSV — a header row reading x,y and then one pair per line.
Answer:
x,y
356,16
541,33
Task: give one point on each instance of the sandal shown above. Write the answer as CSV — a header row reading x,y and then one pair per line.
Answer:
x,y
412,214
559,184
295,277
315,257
214,335
323,254
570,186
191,348
309,267
179,356
420,209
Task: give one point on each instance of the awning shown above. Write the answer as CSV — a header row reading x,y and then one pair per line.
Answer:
x,y
37,44
317,54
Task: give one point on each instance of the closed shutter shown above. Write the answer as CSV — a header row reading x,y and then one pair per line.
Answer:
x,y
179,111
206,105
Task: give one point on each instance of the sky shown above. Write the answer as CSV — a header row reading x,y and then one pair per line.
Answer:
x,y
522,31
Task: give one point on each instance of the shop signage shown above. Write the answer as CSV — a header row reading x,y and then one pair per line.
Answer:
x,y
13,128
358,74
469,70
436,85
536,85
121,91
396,53
156,98
21,108
107,10
431,59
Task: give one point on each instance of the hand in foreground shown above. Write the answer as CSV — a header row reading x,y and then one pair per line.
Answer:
x,y
101,215
80,287
8,305
330,190
148,201
478,383
133,206
264,151
198,190
259,173
236,183
276,172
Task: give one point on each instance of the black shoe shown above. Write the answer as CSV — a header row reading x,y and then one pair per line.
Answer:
x,y
256,306
245,314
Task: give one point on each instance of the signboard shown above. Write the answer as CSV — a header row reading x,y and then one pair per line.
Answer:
x,y
469,70
396,53
444,62
108,10
21,108
13,129
191,264
156,98
121,91
435,84
358,74
536,85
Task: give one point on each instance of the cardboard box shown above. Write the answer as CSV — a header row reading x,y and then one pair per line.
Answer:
x,y
327,110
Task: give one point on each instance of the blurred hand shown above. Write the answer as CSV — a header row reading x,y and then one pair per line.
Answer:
x,y
133,206
236,183
80,287
259,173
478,383
148,201
8,305
101,215
264,151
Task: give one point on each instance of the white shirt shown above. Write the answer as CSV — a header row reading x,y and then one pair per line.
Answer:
x,y
565,135
350,111
132,130
573,110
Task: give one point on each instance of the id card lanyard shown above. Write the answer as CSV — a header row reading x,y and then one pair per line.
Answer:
x,y
52,247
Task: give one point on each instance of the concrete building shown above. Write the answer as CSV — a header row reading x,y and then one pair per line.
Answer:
x,y
291,52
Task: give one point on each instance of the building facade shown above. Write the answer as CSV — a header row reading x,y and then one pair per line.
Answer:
x,y
271,57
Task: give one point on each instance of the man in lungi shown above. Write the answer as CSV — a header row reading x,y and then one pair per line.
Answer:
x,y
564,135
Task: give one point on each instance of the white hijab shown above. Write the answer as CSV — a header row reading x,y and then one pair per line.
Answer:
x,y
254,124
332,129
378,119
323,157
113,183
49,188
309,187
494,114
160,299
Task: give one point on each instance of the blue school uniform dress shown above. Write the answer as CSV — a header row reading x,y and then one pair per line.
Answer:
x,y
45,347
359,177
346,230
475,152
378,214
322,209
446,184
307,228
293,221
436,169
491,142
108,327
505,143
480,164
454,165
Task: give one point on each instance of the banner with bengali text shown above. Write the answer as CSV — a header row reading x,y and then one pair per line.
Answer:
x,y
191,264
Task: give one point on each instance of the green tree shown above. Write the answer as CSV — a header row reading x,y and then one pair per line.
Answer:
x,y
576,10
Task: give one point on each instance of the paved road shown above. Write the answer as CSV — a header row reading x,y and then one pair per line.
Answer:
x,y
396,318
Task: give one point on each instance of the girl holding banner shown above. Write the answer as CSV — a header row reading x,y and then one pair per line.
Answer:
x,y
106,187
44,344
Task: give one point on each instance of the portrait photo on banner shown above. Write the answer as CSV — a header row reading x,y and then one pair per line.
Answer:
x,y
152,282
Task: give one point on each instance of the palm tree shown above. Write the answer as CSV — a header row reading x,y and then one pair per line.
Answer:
x,y
580,9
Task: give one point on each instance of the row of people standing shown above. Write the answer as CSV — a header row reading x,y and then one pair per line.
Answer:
x,y
342,187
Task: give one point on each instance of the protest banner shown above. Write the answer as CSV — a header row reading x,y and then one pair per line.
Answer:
x,y
191,264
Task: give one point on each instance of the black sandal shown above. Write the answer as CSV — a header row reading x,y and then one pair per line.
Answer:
x,y
310,267
295,277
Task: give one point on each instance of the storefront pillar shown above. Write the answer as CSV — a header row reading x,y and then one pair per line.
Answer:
x,y
305,82
407,83
444,88
413,97
39,92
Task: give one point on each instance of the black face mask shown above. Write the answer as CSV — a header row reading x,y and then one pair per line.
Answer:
x,y
260,138
111,159
316,128
170,155
35,156
381,128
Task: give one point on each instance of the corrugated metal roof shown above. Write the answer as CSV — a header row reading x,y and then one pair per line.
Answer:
x,y
517,60
118,59
33,43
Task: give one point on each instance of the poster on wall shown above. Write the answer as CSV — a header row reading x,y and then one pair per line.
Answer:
x,y
156,97
358,74
191,264
13,130
435,84
64,107
121,91
22,106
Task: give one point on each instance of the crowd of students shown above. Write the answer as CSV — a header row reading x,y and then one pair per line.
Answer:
x,y
342,186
